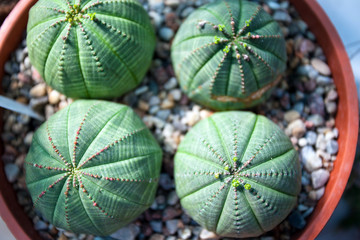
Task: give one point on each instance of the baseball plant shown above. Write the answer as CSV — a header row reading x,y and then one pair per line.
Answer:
x,y
229,55
93,167
237,174
90,48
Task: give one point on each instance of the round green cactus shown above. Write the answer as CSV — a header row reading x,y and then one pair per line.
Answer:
x,y
237,174
90,48
229,55
93,167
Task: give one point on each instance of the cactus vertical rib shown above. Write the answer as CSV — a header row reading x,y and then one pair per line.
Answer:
x,y
229,54
90,48
93,167
237,174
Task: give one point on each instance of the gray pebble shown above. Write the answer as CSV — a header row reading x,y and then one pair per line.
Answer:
x,y
176,94
156,18
317,194
311,137
282,16
163,114
308,212
154,100
332,147
274,5
331,107
166,33
172,198
291,115
172,225
28,138
40,225
156,226
323,80
141,90
319,178
166,182
186,12
321,142
316,119
12,171
171,84
154,109
127,233
321,66
302,142
309,158
38,103
205,234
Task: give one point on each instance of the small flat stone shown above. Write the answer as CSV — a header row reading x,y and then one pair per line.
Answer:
x,y
154,100
166,182
172,225
166,33
331,107
156,226
321,142
175,94
291,116
302,142
167,104
186,12
297,220
127,233
54,97
171,84
141,90
40,225
12,172
157,237
282,16
309,158
296,128
316,119
321,66
207,235
163,114
172,198
319,178
38,90
332,147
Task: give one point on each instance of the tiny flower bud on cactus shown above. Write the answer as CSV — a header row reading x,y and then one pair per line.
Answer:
x,y
93,167
234,60
92,48
254,193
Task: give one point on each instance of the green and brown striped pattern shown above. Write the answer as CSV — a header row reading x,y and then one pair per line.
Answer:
x,y
93,167
229,55
237,174
90,48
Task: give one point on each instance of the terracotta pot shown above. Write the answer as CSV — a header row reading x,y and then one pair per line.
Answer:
x,y
346,120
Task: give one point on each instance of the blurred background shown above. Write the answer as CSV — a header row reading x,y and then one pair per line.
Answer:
x,y
345,221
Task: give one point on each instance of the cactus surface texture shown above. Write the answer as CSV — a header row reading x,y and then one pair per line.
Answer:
x,y
90,48
229,55
237,174
93,167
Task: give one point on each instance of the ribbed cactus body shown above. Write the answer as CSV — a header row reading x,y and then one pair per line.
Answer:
x,y
90,48
229,54
93,167
237,174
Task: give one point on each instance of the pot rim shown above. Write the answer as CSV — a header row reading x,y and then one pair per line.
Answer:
x,y
311,12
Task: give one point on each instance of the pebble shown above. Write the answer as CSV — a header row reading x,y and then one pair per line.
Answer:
x,y
297,220
302,142
163,114
172,3
291,116
171,84
319,178
321,142
40,225
156,226
172,225
172,198
54,97
332,95
296,128
38,103
332,147
323,80
186,12
175,94
166,182
274,5
207,235
321,66
166,33
157,237
316,119
184,233
331,107
309,158
154,100
157,19
127,233
317,194
28,138
282,16
141,90
12,171
167,104
143,105
38,90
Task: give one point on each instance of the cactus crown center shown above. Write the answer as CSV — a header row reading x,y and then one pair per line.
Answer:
x,y
74,15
